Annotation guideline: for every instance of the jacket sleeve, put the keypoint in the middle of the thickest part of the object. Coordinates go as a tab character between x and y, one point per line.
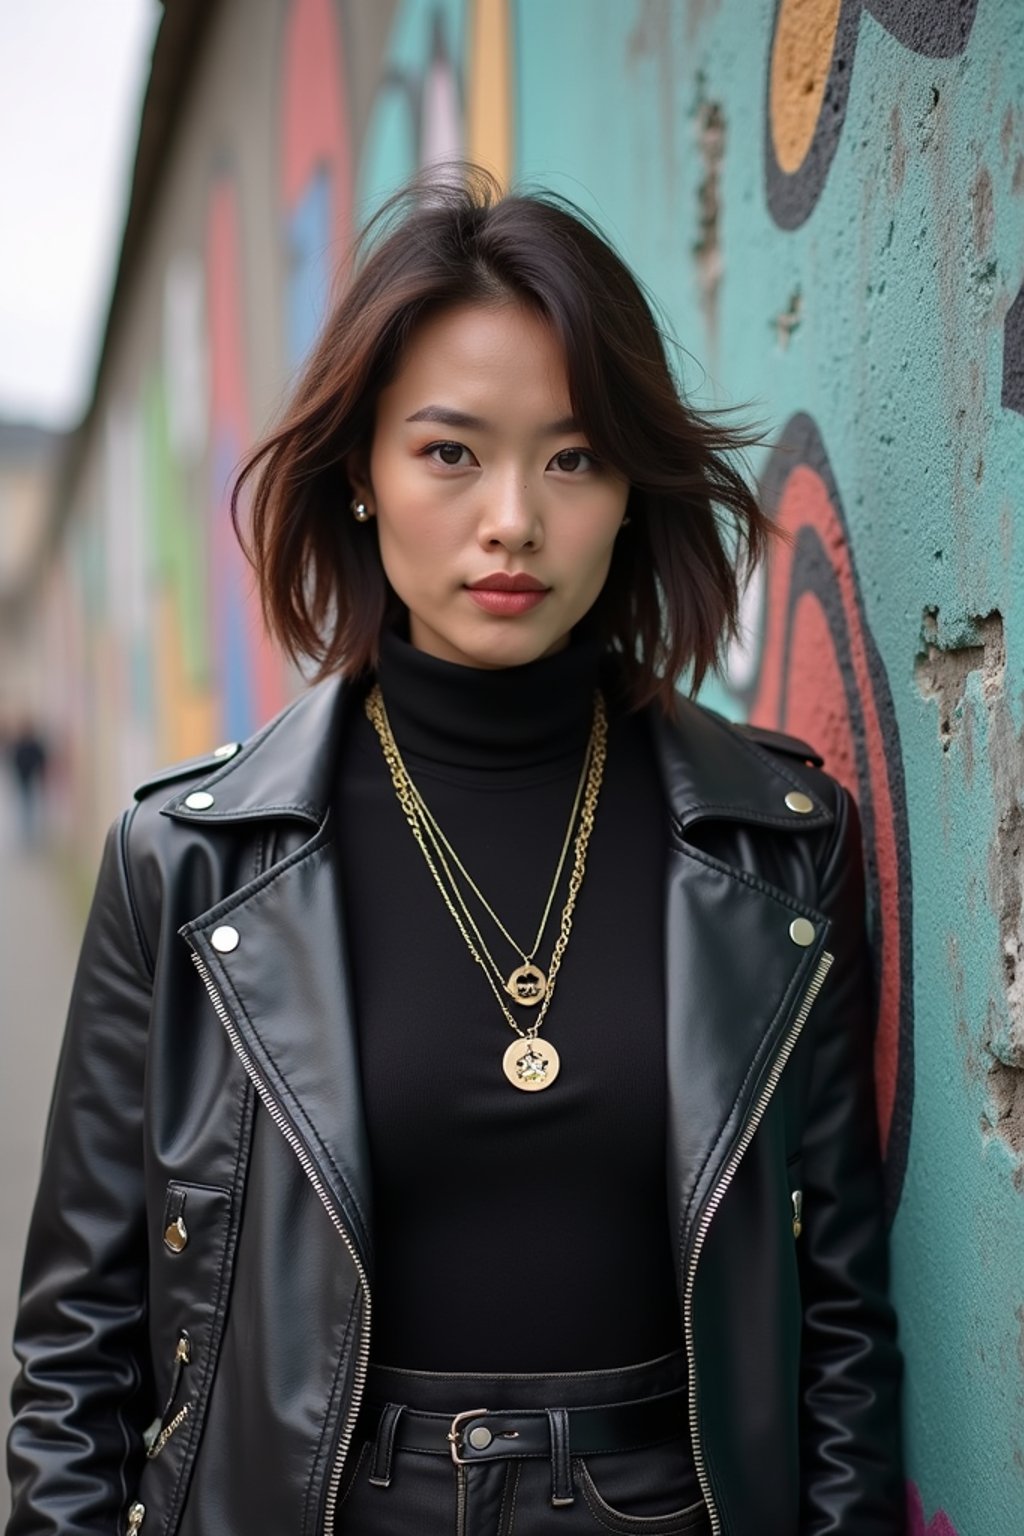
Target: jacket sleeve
75	1446
852	1480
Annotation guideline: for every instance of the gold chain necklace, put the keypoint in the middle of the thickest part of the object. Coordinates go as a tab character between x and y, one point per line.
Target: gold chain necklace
527	1063
527	984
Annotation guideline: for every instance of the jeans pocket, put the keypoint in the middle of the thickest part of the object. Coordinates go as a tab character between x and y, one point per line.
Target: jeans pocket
647	1493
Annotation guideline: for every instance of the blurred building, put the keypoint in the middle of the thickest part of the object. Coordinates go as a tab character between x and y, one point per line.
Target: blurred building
28	461
828	200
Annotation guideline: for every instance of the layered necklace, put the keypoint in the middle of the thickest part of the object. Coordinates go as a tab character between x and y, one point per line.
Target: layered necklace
529	1063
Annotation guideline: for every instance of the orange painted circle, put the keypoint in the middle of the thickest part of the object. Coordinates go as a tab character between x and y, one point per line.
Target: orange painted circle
805	36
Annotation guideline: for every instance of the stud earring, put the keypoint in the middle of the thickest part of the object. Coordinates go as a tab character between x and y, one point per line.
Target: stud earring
360	511
625	522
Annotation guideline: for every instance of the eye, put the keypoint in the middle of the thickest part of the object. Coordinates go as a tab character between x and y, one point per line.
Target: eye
447	453
568	461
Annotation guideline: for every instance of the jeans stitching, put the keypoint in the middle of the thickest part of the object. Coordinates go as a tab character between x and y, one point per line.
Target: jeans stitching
644	1525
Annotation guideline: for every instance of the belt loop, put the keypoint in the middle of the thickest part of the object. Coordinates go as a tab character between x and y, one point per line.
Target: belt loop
384	1445
561	1463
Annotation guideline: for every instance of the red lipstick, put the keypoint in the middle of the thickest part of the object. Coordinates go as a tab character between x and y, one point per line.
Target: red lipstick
507	595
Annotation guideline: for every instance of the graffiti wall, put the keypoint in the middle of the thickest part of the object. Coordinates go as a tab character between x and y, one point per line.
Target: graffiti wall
827	199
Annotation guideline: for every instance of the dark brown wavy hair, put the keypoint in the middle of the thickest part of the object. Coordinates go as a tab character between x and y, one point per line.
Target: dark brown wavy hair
695	531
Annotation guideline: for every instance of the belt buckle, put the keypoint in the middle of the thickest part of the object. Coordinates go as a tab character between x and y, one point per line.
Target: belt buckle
455	1432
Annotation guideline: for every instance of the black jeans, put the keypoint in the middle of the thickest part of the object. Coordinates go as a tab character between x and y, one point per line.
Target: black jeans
647	1490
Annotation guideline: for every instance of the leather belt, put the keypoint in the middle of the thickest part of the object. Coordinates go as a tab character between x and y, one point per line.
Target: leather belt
481	1435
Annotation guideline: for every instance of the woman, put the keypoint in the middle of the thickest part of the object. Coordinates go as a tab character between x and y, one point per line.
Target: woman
494	989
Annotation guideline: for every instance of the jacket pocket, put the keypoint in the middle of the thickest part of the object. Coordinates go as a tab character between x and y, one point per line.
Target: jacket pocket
189	1271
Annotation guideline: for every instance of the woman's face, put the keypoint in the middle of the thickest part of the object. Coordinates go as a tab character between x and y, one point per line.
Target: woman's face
477	473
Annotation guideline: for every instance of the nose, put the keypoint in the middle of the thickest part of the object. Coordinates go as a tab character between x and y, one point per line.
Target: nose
511	515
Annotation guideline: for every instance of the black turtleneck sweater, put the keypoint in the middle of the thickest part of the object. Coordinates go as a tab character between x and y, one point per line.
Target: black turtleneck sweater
512	1231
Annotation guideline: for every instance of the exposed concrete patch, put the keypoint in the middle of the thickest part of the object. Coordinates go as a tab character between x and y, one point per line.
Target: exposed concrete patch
1006	1087
941	672
707	250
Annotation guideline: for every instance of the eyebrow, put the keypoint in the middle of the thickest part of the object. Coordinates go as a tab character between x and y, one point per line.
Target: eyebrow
447	416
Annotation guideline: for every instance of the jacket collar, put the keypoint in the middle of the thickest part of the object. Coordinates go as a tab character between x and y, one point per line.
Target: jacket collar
288	769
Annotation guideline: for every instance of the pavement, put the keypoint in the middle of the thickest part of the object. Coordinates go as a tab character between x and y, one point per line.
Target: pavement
40	931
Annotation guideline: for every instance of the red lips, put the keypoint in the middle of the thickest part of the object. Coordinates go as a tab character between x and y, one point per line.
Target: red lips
505	595
501	581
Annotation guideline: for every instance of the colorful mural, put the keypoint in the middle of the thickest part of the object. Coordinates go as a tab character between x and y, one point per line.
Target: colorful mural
938	1525
827	199
813	49
250	673
316	167
821	677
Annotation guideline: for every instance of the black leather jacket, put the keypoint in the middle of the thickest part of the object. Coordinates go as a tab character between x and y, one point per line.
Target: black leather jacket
202	1245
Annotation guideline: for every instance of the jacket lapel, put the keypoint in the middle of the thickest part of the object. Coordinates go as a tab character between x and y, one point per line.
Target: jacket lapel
284	985
734	978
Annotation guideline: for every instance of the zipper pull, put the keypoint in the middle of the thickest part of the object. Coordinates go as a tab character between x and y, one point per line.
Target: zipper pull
136	1515
797	1198
182	1356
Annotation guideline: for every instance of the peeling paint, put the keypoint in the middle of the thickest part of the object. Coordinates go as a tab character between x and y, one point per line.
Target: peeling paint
1006	1087
707	248
942	674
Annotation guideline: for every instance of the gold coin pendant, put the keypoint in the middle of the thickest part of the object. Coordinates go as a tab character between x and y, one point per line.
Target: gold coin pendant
531	1064
527	984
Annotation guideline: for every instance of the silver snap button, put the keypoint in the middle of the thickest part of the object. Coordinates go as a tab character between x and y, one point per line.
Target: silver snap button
225	939
199	800
479	1437
801	932
227	750
797	801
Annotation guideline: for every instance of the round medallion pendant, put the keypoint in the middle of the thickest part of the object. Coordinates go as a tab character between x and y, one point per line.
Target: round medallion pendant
531	1064
527	985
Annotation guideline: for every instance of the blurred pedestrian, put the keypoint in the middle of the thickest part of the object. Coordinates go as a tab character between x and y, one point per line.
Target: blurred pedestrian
28	755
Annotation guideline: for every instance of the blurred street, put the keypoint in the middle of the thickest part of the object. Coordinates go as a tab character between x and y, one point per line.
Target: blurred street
39	934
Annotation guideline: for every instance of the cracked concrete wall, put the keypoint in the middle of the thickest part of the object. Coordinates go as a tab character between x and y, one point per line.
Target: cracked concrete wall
828	197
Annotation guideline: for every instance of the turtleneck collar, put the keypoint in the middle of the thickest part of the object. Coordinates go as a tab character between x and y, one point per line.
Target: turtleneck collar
490	718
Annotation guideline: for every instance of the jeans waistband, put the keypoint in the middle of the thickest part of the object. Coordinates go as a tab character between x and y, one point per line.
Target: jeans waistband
550	1416
453	1392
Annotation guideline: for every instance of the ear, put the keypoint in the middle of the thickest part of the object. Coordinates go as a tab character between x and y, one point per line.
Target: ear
357	469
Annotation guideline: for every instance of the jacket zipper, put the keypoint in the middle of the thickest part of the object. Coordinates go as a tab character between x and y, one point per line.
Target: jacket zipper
277	1115
182	1357
708	1214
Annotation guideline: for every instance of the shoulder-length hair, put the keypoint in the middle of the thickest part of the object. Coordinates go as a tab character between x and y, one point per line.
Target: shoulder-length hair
695	531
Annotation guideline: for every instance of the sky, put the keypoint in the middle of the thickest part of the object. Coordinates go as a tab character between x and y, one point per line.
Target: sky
72	78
